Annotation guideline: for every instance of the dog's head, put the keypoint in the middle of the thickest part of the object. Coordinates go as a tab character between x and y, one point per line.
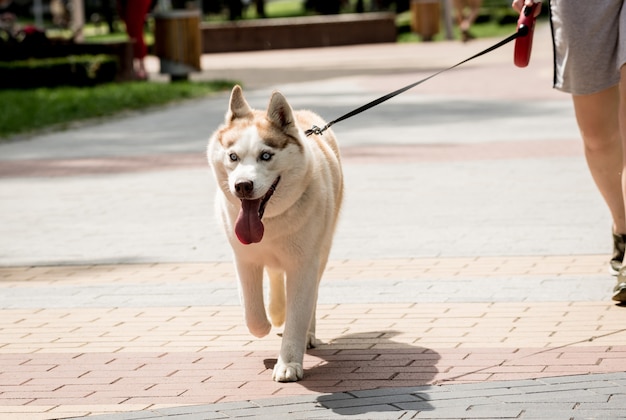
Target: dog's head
252	154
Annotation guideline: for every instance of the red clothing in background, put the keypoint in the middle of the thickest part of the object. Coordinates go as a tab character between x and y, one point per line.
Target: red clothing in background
133	13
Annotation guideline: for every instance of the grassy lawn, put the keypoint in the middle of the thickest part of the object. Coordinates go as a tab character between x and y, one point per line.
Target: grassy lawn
28	110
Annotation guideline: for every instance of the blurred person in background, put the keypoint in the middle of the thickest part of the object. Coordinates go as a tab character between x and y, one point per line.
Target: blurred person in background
466	13
133	13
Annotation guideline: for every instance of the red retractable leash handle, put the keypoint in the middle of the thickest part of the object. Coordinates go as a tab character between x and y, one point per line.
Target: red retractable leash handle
526	28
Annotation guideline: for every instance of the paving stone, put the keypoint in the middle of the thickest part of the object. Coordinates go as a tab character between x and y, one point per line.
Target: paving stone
369	401
137	415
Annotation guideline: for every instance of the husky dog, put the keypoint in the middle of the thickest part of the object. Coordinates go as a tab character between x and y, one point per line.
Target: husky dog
279	194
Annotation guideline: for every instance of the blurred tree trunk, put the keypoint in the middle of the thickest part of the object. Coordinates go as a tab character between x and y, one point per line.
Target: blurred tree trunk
235	9
260	8
325	7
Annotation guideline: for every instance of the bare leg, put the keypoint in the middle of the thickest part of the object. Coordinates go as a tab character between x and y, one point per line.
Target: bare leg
622	123
599	124
474	8
619	292
466	14
459	7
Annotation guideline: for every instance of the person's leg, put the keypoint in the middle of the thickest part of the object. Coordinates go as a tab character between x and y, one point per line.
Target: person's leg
134	18
622	114
467	12
597	117
619	292
474	9
459	14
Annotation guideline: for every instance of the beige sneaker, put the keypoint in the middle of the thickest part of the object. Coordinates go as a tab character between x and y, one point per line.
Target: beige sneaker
619	246
619	291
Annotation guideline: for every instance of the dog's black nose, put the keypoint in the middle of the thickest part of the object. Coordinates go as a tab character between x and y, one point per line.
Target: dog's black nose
244	188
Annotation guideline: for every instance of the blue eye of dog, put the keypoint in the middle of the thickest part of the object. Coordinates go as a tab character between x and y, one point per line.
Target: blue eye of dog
266	156
233	157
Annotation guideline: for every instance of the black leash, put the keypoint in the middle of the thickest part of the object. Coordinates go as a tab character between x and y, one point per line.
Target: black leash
522	31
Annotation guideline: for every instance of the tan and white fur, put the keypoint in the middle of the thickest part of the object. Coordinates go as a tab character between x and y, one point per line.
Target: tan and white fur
252	154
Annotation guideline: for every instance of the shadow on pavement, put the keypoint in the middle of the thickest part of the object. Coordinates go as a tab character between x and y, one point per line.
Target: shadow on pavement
362	373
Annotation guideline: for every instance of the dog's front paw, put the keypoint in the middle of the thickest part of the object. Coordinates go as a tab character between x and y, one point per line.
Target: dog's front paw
259	329
287	372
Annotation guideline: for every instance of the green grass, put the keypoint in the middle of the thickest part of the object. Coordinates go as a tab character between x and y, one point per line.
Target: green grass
278	9
22	111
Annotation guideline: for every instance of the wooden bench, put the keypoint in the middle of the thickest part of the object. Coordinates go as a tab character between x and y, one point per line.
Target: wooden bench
298	32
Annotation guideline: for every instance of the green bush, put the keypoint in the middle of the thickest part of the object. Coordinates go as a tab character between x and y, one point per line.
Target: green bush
73	70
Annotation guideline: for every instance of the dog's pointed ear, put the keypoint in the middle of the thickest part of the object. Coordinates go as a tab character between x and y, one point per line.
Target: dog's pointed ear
279	113
238	107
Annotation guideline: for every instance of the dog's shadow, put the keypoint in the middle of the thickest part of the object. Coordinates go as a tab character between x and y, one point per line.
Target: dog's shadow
368	372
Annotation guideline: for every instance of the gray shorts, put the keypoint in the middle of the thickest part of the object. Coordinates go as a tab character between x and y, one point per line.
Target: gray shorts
589	44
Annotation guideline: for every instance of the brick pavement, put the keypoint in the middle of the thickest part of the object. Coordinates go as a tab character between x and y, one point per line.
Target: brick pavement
92	355
490	300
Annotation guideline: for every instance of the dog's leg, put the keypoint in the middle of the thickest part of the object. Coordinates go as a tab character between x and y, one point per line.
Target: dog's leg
251	288
301	299
311	340
277	297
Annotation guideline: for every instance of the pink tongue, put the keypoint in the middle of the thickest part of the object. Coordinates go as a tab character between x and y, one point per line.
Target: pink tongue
248	227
